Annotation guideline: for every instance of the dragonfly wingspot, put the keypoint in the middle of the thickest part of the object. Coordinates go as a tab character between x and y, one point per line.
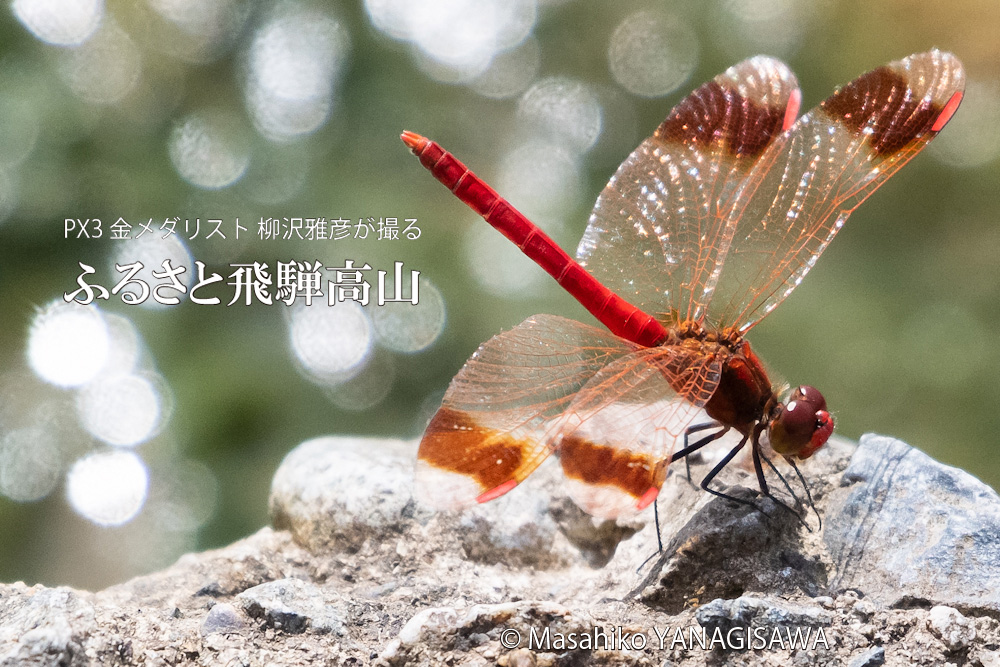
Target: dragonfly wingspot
647	498
496	492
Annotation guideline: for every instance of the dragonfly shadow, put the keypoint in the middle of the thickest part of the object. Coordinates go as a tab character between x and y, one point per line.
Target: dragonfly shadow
729	548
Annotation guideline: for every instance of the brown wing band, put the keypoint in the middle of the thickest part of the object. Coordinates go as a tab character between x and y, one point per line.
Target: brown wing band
591	463
454	442
714	112
881	100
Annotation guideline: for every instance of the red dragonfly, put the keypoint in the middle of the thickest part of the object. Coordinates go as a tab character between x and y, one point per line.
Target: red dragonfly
706	227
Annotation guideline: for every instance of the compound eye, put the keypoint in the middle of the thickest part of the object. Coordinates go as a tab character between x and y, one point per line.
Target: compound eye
802	425
799	420
810	396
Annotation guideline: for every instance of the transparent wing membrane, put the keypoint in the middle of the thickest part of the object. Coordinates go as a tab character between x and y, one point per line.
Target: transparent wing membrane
493	427
658	230
804	187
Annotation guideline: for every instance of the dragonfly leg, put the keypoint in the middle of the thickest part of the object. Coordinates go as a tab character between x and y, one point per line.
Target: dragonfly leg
777	473
718	468
765	491
683	453
691	448
656	520
805	487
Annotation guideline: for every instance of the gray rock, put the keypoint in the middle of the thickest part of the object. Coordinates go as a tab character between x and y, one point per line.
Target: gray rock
989	658
291	606
726	549
873	657
339	494
223	618
517	529
516	581
905	529
753	611
596	539
43	626
956	631
334	493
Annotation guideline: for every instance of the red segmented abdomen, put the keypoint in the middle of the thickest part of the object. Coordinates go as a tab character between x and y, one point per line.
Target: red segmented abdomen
618	315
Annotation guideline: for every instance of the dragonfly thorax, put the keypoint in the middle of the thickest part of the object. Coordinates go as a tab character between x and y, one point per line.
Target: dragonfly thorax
691	330
745	398
744	391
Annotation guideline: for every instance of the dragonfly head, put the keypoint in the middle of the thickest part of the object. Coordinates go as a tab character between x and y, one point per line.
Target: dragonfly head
800	425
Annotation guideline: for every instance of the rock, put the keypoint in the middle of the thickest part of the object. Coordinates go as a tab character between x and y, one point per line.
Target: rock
333	493
361	575
873	657
989	658
223	618
956	631
43	626
517	529
908	530
292	606
756	612
339	494
596	539
726	549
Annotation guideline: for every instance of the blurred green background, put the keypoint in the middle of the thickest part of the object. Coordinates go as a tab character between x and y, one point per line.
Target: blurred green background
221	109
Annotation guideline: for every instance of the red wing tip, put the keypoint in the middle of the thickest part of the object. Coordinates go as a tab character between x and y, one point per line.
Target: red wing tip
413	140
949	110
647	498
496	491
792	110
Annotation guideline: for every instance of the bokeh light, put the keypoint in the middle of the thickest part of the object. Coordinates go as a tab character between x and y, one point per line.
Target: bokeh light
542	180
294	68
772	27
68	343
125	347
60	22
510	73
652	54
499	267
108	488
456	40
202	29
122	410
562	110
185	496
330	343
368	387
277	172
30	464
406	327
105	69
209	150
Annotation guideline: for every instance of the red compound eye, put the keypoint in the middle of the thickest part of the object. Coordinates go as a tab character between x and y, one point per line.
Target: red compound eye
802	425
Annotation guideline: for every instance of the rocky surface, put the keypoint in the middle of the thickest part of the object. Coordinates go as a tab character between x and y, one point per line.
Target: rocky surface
904	571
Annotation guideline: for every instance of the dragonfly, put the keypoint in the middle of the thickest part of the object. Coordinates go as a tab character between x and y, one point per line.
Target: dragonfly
703	230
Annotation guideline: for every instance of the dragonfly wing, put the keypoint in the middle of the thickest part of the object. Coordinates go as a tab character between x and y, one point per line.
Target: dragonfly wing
658	229
616	438
811	178
495	423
